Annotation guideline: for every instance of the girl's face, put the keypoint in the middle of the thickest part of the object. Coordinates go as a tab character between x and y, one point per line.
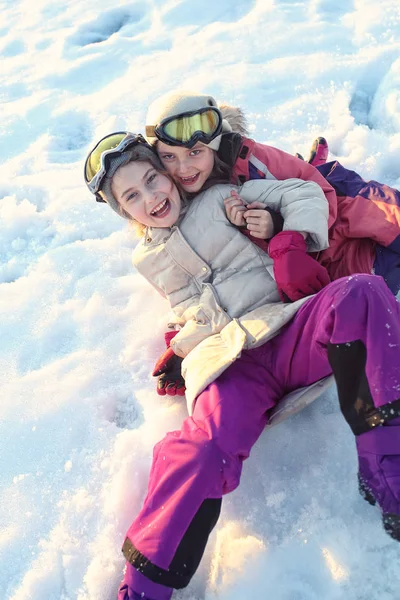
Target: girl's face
148	196
189	167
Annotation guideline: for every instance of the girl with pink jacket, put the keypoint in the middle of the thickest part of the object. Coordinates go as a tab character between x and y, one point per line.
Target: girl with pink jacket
199	142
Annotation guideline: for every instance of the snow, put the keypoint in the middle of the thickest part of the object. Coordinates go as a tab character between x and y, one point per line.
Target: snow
80	330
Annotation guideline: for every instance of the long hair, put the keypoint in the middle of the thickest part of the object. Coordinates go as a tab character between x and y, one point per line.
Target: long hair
221	173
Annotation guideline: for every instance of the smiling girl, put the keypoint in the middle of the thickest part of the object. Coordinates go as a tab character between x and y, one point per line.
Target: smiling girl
364	217
243	350
152	199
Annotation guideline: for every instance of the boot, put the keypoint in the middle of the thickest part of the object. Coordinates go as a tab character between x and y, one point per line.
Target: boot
147	590
379	472
377	431
319	152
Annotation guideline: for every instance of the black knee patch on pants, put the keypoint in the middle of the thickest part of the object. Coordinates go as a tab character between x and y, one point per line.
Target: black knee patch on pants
348	365
188	554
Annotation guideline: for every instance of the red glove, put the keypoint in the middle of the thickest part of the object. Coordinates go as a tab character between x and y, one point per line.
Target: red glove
168	371
297	274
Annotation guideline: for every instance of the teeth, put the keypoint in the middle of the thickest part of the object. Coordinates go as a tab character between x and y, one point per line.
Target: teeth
159	207
189	179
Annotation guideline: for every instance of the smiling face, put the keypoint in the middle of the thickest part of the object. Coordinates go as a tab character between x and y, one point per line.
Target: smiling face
147	195
189	167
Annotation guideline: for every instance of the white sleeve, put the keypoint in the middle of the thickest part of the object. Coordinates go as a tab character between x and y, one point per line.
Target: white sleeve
302	205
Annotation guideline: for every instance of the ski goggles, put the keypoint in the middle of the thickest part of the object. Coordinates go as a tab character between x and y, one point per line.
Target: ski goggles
98	159
188	128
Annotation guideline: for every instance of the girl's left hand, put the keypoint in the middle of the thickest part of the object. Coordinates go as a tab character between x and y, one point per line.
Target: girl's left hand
259	221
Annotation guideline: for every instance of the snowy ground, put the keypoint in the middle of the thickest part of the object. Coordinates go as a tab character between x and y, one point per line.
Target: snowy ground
80	330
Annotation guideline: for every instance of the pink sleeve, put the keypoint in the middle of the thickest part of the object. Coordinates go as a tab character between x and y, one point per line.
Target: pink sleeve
284	166
362	218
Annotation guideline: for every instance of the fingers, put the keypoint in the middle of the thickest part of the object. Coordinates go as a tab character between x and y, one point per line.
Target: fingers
237	217
161	383
166	387
259	223
175	389
256	205
170	388
258	214
235	208
234	200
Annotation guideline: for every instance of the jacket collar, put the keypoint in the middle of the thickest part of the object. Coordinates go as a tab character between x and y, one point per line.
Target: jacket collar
156	235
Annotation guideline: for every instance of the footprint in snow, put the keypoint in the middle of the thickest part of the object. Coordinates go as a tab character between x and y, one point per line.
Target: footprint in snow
106	25
13	48
69	132
126	413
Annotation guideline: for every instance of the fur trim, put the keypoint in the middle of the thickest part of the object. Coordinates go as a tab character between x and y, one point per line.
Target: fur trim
235	117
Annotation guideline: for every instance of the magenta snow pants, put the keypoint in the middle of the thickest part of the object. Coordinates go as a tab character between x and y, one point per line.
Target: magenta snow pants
194	467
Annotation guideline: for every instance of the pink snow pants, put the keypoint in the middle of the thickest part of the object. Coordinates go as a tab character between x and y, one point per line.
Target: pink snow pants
204	459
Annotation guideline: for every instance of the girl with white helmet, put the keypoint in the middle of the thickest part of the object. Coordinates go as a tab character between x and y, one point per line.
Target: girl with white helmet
199	143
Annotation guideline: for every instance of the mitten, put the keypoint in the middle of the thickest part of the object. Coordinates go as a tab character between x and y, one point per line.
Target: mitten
297	274
168	371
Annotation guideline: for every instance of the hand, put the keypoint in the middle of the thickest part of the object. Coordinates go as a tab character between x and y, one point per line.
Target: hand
168	371
259	221
235	207
297	274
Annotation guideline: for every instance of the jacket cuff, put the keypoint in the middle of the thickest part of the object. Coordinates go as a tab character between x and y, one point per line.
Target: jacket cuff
169	335
286	241
277	221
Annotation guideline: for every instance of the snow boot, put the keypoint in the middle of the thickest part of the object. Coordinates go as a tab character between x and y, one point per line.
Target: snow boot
319	152
377	432
146	590
379	472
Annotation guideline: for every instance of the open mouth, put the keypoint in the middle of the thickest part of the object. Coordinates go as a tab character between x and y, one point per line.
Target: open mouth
188	181
161	209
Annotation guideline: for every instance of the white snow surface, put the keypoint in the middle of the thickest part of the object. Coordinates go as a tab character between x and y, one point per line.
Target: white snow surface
80	330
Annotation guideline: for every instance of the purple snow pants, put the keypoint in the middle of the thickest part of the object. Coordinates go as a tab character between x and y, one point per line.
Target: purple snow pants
204	459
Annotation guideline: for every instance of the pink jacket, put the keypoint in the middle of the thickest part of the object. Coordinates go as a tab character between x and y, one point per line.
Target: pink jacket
356	224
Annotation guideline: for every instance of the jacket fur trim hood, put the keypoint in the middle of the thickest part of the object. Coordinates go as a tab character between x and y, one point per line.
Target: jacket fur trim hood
235	117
